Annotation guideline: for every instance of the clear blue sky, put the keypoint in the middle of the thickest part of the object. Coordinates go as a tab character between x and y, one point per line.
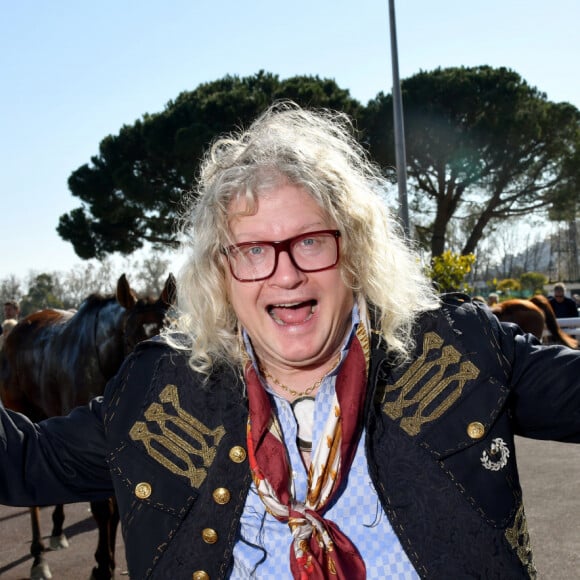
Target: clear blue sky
73	72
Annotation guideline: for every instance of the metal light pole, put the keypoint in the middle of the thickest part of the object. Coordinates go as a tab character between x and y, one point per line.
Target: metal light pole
400	157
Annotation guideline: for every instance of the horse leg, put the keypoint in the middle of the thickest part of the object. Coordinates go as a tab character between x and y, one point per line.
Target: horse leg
104	556
58	540
39	569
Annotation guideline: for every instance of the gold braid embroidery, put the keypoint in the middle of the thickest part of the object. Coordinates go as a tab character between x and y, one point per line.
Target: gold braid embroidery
519	540
411	404
168	445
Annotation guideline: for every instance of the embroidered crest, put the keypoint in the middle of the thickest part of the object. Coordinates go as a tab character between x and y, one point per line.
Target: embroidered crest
497	457
429	386
176	439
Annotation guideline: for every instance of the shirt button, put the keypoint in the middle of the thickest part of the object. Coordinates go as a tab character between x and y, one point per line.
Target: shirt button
221	495
200	575
476	430
209	536
143	490
238	454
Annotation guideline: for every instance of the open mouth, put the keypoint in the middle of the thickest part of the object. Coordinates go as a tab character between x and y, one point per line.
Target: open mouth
292	313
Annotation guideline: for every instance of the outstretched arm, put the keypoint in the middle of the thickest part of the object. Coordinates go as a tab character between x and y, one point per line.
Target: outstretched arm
59	460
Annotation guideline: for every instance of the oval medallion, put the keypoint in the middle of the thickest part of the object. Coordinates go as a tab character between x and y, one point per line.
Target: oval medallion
303	409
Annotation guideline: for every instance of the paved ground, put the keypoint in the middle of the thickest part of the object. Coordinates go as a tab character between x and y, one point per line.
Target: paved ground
74	563
550	474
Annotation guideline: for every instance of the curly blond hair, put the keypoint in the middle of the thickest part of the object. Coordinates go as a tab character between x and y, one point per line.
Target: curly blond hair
317	151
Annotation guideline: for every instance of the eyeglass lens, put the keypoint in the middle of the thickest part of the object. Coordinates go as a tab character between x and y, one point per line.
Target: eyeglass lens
309	252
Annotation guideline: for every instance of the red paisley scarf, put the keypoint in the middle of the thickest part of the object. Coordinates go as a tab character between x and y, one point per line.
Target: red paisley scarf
319	549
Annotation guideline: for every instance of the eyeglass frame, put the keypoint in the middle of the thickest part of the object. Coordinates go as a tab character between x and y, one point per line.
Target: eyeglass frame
283	246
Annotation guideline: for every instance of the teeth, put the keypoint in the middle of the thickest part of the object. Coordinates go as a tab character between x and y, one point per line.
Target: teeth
293	304
272	308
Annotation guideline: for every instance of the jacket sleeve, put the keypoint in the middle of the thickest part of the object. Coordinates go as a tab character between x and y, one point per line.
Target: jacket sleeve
544	383
546	390
59	460
543	380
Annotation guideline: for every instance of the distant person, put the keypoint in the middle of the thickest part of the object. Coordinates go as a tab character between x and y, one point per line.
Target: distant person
562	306
492	299
11	310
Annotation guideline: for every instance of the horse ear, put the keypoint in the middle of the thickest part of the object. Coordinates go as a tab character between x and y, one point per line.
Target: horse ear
169	293
125	296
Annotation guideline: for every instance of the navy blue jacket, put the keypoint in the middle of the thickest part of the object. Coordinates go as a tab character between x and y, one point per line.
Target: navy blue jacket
440	448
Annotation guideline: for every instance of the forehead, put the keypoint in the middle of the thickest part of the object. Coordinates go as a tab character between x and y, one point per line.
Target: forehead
283	210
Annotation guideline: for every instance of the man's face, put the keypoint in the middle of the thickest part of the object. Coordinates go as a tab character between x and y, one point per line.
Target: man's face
559	295
10	311
295	319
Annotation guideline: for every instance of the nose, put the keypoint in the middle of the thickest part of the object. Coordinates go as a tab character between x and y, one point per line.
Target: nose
286	273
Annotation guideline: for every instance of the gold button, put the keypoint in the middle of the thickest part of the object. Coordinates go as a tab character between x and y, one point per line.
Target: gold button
238	454
221	495
209	536
143	490
476	430
200	575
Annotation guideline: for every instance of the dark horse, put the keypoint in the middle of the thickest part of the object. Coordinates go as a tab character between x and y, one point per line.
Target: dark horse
55	360
533	316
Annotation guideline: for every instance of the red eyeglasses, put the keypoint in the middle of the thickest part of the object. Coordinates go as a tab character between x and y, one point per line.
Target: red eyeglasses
310	252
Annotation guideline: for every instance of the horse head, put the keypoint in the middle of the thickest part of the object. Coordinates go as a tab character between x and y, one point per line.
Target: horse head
144	317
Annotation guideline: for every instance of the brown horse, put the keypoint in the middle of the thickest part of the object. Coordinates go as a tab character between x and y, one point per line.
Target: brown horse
54	360
533	316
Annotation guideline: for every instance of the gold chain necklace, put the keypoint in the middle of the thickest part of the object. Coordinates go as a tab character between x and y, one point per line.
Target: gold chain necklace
292	391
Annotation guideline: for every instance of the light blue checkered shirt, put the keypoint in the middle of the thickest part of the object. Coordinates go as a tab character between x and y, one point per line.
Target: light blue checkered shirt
263	547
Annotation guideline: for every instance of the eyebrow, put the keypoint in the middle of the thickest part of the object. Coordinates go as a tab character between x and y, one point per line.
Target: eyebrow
306	229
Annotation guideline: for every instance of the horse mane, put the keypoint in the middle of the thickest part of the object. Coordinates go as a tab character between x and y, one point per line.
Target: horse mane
95	302
96	298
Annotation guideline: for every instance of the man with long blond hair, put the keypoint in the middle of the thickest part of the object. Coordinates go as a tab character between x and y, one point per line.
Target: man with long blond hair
318	411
